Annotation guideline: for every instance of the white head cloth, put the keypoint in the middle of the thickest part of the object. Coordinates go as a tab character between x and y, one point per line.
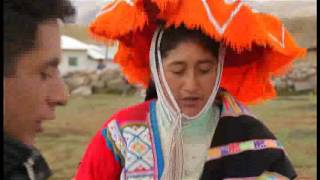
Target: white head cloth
174	157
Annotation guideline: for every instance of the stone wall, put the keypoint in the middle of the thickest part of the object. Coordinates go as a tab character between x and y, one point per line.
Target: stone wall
85	83
302	77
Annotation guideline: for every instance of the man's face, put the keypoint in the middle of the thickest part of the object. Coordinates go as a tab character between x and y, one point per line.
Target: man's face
36	87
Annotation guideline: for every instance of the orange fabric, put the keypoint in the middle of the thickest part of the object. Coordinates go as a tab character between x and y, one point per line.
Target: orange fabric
122	19
133	56
259	47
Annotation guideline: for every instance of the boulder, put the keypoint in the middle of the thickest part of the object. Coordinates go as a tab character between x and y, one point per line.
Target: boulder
99	87
119	85
303	85
109	75
89	82
75	80
94	77
82	91
313	82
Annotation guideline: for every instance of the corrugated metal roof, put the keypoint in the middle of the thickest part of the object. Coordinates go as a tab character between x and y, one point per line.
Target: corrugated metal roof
100	52
96	52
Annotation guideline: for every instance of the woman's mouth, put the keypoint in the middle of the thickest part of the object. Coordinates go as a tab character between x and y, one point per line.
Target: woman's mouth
190	102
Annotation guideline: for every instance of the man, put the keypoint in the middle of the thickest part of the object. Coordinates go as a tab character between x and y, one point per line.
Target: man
101	64
32	84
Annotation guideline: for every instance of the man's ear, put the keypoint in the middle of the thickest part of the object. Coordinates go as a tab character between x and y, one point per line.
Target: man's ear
4	87
5	90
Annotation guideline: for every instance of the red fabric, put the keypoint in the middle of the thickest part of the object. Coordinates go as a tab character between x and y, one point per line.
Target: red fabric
138	112
98	162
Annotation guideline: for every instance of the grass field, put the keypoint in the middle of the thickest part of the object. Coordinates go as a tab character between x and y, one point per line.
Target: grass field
292	119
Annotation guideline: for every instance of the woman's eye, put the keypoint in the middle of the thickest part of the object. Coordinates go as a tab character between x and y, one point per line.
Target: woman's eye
205	70
177	72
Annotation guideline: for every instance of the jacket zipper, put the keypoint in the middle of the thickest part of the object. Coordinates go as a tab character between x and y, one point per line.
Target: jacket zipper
29	166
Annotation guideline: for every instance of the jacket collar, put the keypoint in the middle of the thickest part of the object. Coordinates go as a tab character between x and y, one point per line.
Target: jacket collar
17	154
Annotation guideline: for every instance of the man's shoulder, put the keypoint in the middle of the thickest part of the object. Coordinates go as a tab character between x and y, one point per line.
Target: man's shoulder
15	154
18	156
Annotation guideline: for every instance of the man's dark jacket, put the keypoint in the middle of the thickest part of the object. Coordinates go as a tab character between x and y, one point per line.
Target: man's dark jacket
21	162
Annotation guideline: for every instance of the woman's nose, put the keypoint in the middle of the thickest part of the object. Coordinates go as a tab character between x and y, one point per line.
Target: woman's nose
190	82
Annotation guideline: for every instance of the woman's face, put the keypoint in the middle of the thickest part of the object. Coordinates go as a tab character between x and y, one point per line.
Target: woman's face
190	71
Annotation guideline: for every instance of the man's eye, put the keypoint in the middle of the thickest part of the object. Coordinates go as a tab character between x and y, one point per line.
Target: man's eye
44	75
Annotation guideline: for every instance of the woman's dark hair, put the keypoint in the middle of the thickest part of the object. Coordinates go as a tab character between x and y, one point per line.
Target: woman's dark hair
151	92
21	20
171	38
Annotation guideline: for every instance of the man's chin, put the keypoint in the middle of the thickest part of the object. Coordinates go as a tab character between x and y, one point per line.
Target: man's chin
39	129
29	141
51	116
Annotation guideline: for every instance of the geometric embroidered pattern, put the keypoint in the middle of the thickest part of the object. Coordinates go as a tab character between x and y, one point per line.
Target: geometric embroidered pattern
139	157
239	147
231	107
116	137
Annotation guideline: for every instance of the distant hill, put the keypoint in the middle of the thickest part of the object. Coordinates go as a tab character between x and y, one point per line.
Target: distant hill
77	31
86	11
285	8
80	32
304	30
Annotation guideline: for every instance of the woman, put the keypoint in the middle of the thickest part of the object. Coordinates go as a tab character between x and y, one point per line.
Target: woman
198	126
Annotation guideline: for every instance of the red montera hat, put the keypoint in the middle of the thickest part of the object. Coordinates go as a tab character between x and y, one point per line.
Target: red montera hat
258	45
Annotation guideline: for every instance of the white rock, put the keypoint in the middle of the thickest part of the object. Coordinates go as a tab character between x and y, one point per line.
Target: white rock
82	91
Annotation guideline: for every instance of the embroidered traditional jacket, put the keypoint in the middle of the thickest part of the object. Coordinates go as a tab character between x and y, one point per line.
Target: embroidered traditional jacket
128	146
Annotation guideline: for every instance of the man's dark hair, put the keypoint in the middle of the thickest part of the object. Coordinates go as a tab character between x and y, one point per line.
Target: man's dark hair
21	21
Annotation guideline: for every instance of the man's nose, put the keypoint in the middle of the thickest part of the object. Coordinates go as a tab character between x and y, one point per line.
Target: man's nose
59	93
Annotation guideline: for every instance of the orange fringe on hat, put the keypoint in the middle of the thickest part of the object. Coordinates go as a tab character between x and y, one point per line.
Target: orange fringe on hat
259	46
